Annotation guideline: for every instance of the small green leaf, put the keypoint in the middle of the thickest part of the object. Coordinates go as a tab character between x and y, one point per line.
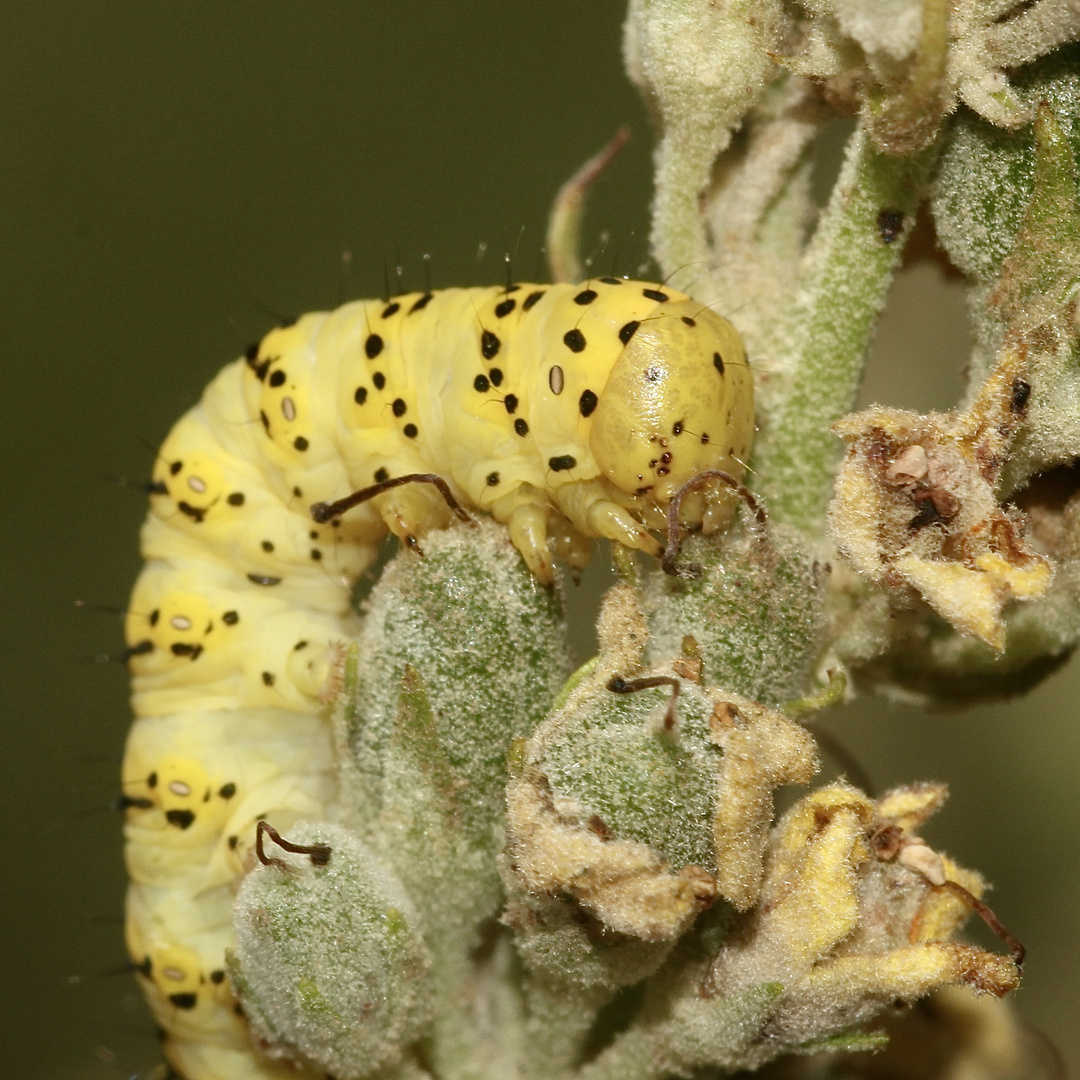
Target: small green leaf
987	175
1042	268
515	756
754	614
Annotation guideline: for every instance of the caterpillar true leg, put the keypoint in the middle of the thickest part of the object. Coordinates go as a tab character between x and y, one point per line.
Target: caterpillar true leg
528	531
592	511
572	546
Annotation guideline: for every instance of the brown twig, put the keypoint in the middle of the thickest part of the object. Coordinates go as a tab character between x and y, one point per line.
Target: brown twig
676	533
986	914
324	511
619	685
319	853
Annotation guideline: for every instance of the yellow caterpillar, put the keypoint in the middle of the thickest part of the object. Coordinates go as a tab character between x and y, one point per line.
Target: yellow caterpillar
569	412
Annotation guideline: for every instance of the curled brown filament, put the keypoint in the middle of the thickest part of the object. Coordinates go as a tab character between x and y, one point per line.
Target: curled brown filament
323	512
318	853
987	915
619	685
676	532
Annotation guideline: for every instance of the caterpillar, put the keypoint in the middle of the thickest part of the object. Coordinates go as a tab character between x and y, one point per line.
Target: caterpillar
568	412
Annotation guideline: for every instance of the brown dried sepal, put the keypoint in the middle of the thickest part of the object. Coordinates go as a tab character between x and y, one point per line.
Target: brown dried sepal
762	750
628	886
845	925
949	893
555	851
915	505
556	847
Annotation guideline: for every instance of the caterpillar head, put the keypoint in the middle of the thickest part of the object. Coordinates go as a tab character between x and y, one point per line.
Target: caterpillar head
679	401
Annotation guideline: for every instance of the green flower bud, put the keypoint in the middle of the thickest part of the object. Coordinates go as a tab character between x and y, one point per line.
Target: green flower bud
329	963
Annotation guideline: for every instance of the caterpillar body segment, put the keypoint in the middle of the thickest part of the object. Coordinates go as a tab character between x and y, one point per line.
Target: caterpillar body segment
201	780
569	412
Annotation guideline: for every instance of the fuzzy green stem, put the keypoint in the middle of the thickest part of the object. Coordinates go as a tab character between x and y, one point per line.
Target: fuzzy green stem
833	694
560	1020
678	233
695	1031
846	274
457	1048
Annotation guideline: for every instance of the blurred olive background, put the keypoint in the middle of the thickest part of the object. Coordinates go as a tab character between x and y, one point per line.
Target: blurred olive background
173	175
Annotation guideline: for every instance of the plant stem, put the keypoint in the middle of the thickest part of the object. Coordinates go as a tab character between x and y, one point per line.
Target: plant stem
822	342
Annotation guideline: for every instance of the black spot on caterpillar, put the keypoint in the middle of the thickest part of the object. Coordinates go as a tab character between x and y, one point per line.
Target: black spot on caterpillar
607	397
